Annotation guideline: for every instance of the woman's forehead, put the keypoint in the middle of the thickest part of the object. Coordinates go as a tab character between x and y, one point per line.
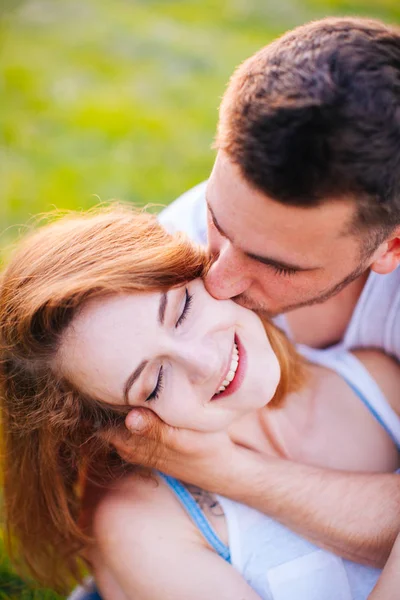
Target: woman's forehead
106	340
115	309
109	325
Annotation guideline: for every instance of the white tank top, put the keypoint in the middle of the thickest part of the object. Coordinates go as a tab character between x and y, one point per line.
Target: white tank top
277	563
375	322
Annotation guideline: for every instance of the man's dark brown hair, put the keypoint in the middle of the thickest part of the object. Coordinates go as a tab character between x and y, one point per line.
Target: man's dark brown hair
315	115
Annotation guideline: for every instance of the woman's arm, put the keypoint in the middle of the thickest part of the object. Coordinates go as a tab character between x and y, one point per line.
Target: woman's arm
147	548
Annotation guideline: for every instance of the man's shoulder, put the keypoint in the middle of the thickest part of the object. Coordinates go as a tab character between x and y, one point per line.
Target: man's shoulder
382	289
188	213
376	319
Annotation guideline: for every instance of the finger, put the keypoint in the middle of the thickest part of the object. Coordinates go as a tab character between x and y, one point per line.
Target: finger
145	423
113	435
122	440
149	426
135	449
155	435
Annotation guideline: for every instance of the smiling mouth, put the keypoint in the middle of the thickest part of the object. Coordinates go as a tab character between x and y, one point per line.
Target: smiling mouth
230	376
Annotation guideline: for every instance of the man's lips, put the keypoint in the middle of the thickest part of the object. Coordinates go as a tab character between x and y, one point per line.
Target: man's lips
235	384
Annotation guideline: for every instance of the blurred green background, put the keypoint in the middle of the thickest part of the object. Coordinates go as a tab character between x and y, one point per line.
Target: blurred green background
118	99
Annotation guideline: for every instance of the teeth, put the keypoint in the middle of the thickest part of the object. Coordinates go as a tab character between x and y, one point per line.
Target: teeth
232	369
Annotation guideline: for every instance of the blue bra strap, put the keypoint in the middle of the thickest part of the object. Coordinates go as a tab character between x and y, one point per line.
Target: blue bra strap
197	516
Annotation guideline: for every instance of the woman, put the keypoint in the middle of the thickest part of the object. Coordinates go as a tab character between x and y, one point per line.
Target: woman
103	313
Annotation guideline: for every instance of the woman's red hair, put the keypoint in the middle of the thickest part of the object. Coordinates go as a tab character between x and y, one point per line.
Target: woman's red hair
50	429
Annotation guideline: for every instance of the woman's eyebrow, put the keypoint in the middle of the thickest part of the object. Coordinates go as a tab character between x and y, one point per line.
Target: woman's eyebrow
132	378
162	307
135	374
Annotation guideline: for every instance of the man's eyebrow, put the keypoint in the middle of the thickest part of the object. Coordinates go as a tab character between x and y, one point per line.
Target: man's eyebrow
162	307
265	260
132	378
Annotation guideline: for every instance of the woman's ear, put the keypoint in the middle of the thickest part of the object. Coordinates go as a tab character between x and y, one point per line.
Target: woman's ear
387	255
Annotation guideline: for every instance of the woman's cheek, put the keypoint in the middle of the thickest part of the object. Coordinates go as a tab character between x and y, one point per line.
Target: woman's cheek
177	410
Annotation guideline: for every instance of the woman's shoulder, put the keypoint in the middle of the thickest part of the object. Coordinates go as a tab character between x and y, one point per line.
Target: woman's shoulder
144	543
128	519
148	503
145	546
136	497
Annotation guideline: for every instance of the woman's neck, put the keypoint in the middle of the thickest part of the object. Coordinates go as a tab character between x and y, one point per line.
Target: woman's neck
279	431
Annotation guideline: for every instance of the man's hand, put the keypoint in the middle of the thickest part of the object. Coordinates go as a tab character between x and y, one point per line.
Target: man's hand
207	460
355	515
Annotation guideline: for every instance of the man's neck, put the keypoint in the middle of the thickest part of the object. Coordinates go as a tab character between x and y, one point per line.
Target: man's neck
323	325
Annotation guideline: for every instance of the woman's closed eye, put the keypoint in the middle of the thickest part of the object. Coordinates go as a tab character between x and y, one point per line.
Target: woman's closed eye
160	379
186	308
158	388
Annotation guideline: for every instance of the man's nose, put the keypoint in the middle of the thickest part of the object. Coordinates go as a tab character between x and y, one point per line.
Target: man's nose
227	276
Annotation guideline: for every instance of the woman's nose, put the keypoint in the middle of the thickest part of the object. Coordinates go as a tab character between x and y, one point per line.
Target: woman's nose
228	276
200	359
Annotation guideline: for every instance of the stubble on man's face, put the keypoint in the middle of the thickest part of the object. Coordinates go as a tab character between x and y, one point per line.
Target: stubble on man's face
250	234
258	307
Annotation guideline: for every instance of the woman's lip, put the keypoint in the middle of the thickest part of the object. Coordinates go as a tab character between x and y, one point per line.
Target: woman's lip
239	375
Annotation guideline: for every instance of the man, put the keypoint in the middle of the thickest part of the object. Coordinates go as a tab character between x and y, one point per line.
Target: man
303	221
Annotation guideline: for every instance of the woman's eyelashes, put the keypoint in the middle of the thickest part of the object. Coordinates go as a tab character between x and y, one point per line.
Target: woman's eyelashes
159	386
160	380
186	308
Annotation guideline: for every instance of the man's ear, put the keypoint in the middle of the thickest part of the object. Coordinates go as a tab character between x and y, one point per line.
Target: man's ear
387	256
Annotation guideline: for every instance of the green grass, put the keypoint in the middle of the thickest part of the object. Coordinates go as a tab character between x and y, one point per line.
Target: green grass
119	99
13	587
